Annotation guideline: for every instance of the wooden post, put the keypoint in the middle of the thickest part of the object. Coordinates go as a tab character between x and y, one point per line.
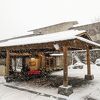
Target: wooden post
88	62
14	63
88	76
43	60
54	62
65	69
7	62
40	55
23	62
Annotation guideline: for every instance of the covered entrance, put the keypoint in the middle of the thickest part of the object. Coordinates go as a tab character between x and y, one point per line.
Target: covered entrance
44	44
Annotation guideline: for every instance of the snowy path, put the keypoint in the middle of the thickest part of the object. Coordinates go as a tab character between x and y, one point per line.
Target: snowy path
7	93
92	89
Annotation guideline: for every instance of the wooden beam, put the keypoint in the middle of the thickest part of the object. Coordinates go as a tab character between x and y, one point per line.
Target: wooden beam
65	69
20	54
7	62
32	46
88	62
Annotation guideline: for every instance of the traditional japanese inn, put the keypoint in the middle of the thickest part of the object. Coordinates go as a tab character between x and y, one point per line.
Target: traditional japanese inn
42	53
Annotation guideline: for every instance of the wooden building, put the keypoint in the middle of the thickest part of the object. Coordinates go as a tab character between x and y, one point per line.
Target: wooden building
39	48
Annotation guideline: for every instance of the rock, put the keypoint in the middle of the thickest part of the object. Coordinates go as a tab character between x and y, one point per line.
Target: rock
65	90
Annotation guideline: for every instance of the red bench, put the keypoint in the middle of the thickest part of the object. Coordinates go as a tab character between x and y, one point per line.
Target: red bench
34	72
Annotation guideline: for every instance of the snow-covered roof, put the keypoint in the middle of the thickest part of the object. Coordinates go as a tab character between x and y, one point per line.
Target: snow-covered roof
59	36
88	41
85	24
41	27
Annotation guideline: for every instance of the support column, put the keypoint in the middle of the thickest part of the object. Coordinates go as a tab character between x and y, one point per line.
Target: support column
43	60
65	89
14	63
54	63
23	62
7	62
65	69
88	76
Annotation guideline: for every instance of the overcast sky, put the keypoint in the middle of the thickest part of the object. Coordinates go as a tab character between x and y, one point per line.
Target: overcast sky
19	16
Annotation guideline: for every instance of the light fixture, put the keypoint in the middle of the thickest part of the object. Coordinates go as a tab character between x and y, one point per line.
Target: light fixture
56	54
32	59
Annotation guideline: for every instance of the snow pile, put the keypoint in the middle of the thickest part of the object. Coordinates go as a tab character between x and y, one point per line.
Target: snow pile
2	80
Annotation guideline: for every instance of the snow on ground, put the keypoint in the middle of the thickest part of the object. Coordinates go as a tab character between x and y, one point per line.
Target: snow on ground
7	93
89	90
73	72
34	87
